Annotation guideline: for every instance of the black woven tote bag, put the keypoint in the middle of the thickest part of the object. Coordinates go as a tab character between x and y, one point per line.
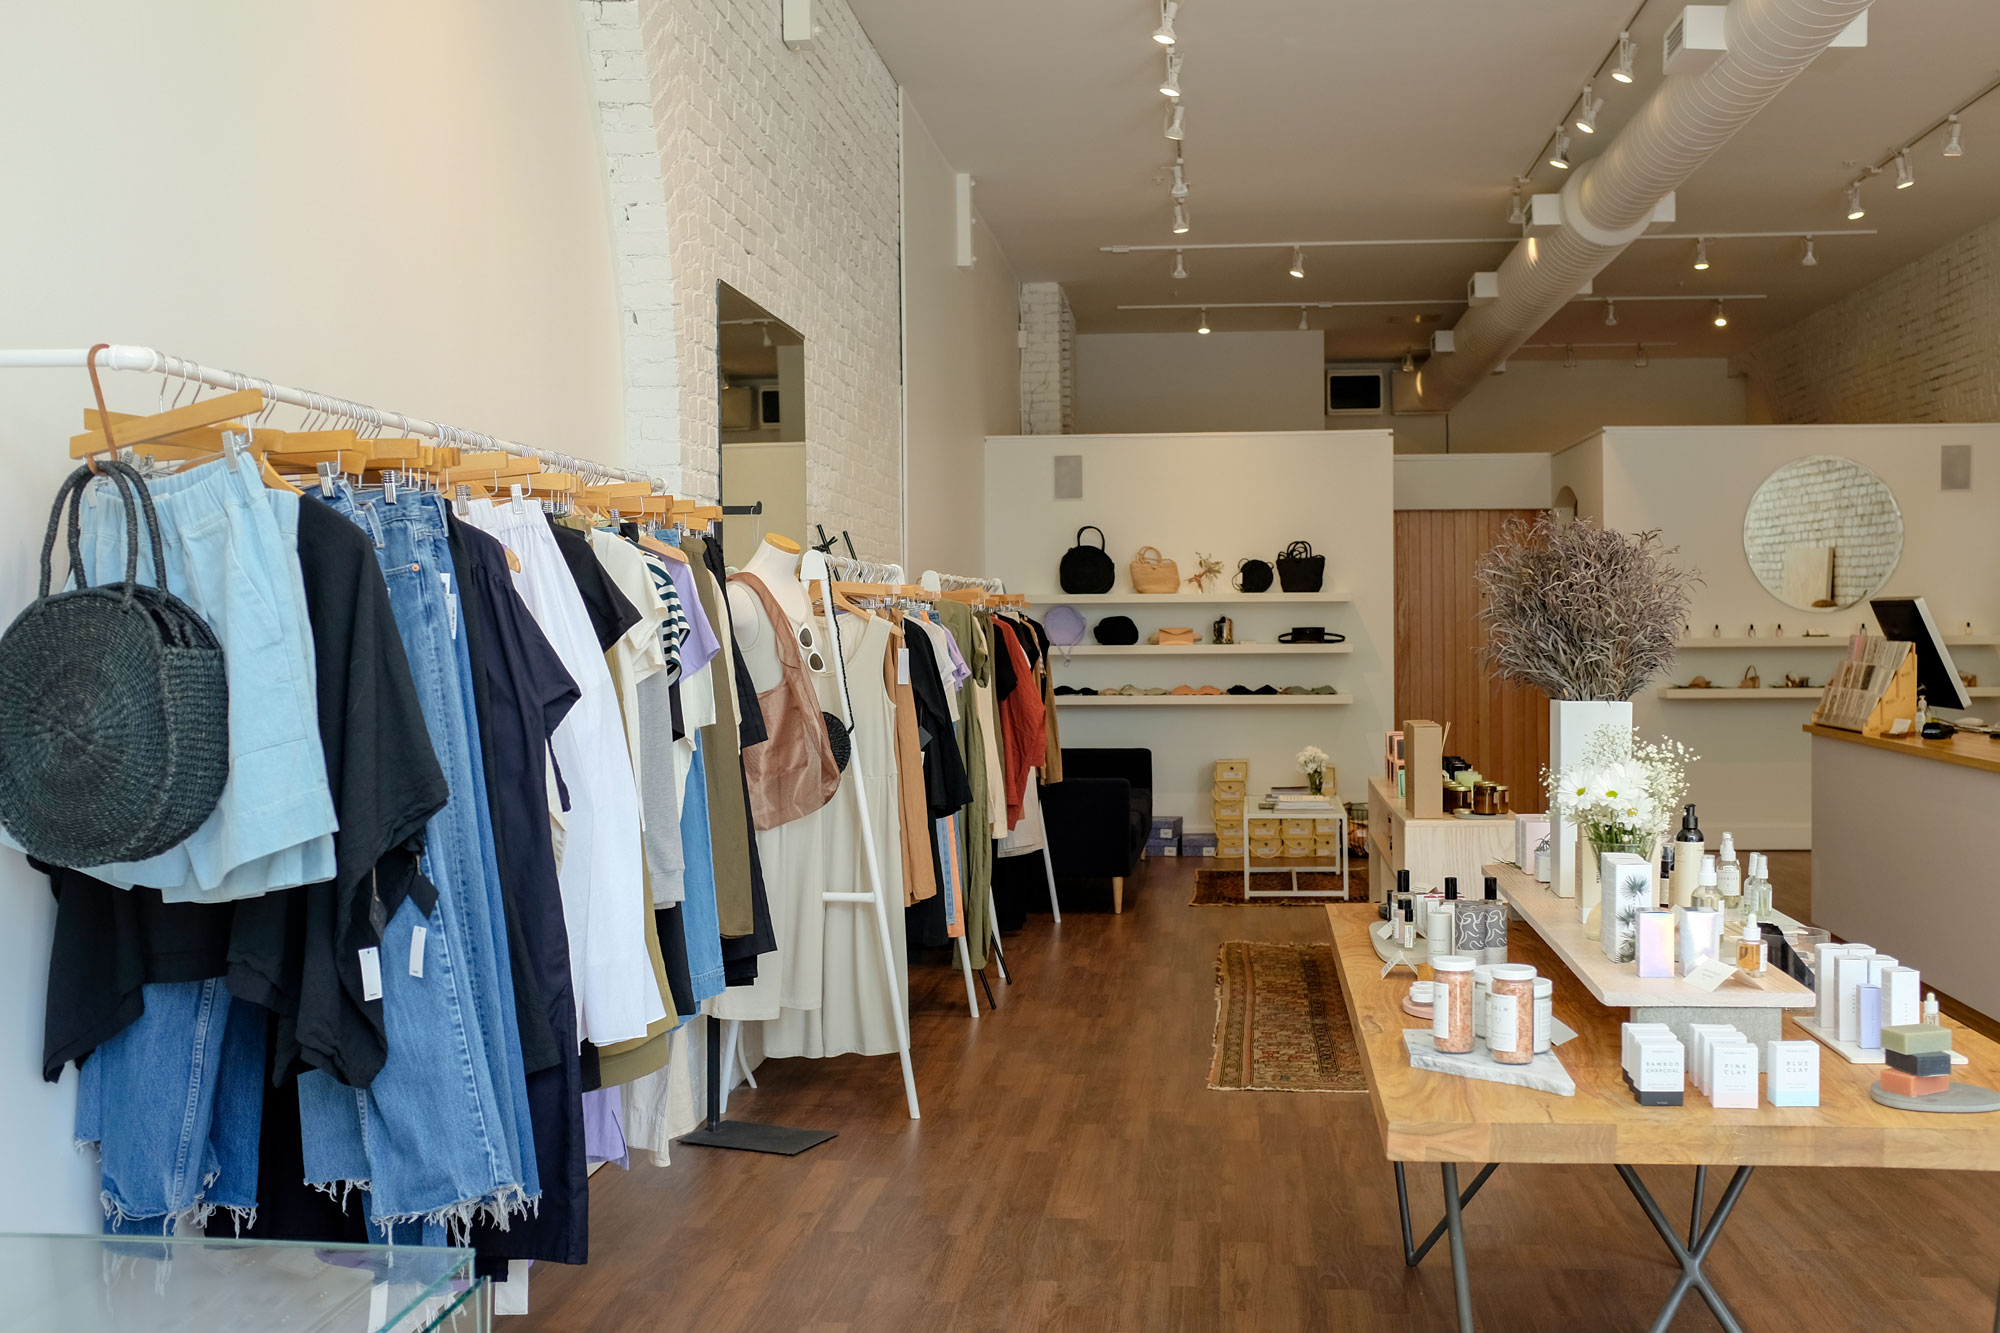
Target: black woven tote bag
1086	569
114	710
1299	570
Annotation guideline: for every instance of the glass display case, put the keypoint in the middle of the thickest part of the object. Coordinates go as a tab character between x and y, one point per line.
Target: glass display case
119	1284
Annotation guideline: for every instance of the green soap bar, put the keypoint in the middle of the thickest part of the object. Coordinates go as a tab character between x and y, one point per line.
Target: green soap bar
1916	1038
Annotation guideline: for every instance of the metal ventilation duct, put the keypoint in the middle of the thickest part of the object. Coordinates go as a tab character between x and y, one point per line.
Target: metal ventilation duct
1607	204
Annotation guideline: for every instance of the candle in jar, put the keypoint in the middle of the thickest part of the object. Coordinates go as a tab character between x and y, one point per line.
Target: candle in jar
1510	1014
1451	1003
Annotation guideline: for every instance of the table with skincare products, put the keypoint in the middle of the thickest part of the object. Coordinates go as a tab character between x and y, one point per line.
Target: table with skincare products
1573	1065
1902	853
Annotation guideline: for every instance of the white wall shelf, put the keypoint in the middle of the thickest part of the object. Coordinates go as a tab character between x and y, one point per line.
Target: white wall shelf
1775	692
1835	641
1229	598
1205	649
1201	700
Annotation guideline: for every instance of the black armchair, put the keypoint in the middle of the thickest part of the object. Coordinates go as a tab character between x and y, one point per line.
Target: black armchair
1098	816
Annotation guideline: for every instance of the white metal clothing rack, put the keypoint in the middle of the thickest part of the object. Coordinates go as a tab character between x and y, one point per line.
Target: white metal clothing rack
145	360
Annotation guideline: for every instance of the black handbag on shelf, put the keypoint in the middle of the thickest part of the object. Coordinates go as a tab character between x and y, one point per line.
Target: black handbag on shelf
1299	570
1087	569
1116	631
1253	576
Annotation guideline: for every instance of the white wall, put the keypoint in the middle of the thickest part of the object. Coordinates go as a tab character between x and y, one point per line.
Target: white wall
962	367
1230	495
397	203
1542	405
1473	481
1694	485
1141	382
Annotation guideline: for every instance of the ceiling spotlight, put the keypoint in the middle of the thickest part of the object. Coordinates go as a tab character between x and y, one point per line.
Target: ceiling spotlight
1906	174
1569	357
1171	85
1180	264
1303	326
1298	269
1518	214
1610	313
1587	109
1180	219
1809	259
1855	212
1721	317
1628	50
1409	363
1701	254
767	335
1640	359
1180	181
1952	146
1175	130
1559	155
1203	327
1164	34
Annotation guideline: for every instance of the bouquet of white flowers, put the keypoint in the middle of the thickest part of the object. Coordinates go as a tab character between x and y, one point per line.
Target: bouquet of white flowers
1312	762
1624	790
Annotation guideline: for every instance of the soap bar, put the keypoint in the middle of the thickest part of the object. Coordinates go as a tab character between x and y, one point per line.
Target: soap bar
1916	1038
1924	1065
1909	1085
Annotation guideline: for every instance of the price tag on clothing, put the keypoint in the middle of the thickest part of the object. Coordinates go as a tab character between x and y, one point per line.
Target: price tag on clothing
1710	974
417	937
371	973
902	666
450	602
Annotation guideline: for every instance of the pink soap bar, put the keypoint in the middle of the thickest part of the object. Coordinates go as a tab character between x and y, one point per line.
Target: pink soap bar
1912	1085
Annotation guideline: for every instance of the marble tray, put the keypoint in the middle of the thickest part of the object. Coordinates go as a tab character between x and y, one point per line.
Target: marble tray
1545	1073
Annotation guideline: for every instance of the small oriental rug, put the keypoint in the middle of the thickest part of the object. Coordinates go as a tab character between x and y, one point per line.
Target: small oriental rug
1281	1022
1224	888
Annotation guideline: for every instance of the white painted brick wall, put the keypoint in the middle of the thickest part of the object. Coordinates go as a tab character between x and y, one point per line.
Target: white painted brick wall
1920	344
638	205
780	175
1048	362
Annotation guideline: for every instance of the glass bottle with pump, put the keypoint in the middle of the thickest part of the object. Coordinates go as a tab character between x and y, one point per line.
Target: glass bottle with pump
1757	888
1687	859
1707	895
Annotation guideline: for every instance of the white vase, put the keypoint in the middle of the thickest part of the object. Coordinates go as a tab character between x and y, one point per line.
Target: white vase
1572	722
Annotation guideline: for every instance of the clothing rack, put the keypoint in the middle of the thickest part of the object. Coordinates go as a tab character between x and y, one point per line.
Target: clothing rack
145	360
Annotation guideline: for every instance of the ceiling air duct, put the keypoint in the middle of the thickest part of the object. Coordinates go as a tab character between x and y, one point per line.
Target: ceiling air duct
1609	203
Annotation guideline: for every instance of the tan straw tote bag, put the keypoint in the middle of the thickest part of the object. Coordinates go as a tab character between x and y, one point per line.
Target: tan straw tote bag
1153	572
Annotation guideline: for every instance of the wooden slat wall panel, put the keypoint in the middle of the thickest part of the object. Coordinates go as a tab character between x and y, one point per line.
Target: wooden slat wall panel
1502	729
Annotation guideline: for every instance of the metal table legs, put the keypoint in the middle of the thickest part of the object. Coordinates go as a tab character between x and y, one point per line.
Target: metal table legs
1701	1238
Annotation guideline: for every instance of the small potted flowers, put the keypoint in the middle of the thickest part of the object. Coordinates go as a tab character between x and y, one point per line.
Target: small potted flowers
1312	762
1620	794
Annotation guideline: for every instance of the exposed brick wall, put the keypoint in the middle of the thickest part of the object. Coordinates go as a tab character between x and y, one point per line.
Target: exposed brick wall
1048	361
1921	344
780	173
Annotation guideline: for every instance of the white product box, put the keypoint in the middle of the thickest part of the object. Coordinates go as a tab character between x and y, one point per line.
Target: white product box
1878	963
1628	1042
1529	830
1627	882
1662	1065
1902	996
1732	1075
1792	1073
1850	975
1702	1038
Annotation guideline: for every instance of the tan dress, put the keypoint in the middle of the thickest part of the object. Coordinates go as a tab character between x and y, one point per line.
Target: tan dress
919	872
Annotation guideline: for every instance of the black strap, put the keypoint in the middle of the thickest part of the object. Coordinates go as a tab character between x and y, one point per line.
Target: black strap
1090	527
1298	551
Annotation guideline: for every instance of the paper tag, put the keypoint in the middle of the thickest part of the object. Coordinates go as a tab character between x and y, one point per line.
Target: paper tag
1899	726
378	1304
417	951
371	973
902	666
1502	1021
1710	974
514	495
1440	1013
389	487
451	612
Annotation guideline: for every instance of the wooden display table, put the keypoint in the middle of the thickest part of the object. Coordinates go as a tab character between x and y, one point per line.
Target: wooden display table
1432	1117
1430	849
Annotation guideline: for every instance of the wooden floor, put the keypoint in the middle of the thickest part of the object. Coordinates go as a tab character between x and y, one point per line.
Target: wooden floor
1073	1171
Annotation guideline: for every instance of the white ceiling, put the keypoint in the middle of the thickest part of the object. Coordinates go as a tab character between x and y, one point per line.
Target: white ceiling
1309	120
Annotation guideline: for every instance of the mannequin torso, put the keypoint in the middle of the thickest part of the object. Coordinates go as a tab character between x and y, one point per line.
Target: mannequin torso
776	562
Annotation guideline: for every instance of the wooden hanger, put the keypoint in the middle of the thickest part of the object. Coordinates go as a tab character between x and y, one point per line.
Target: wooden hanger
611	492
143	430
492	468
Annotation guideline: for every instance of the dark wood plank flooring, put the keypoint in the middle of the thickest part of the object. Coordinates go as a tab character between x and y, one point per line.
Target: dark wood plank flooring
1073	1171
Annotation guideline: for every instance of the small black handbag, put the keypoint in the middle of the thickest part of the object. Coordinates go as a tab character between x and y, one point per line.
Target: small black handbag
1116	631
1253	576
1299	570
1087	569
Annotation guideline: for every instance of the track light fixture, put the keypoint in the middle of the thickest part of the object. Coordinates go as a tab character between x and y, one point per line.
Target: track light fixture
1701	254
1855	212
1953	147
1518	214
1203	326
1298	269
1171	85
1610	313
1721	318
1809	259
1569	357
1179	190
1164	34
1180	219
1303	326
1587	109
1640	359
1559	155
767	335
1175	129
1180	265
1409	362
1628	51
1906	174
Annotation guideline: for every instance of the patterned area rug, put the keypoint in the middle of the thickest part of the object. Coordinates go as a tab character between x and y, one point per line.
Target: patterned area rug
1224	888
1281	1022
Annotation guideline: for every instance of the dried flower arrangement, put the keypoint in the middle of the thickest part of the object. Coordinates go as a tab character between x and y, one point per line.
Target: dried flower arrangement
1579	611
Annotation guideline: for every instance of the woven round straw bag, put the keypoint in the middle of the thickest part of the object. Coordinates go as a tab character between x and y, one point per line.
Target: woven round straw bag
114	711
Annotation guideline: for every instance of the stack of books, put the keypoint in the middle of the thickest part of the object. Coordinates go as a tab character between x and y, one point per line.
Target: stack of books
1295	800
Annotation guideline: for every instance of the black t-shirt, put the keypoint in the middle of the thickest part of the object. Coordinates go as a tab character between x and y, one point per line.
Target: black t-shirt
946	787
611	611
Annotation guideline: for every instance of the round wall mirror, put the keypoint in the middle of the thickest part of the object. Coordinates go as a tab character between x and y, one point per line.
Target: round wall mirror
1823	533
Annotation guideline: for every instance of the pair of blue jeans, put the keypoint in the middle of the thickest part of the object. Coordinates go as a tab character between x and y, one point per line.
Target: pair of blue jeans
442	1135
174	1104
700	922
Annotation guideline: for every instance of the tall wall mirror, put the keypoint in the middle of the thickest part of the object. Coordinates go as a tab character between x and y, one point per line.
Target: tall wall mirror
1823	533
762	379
